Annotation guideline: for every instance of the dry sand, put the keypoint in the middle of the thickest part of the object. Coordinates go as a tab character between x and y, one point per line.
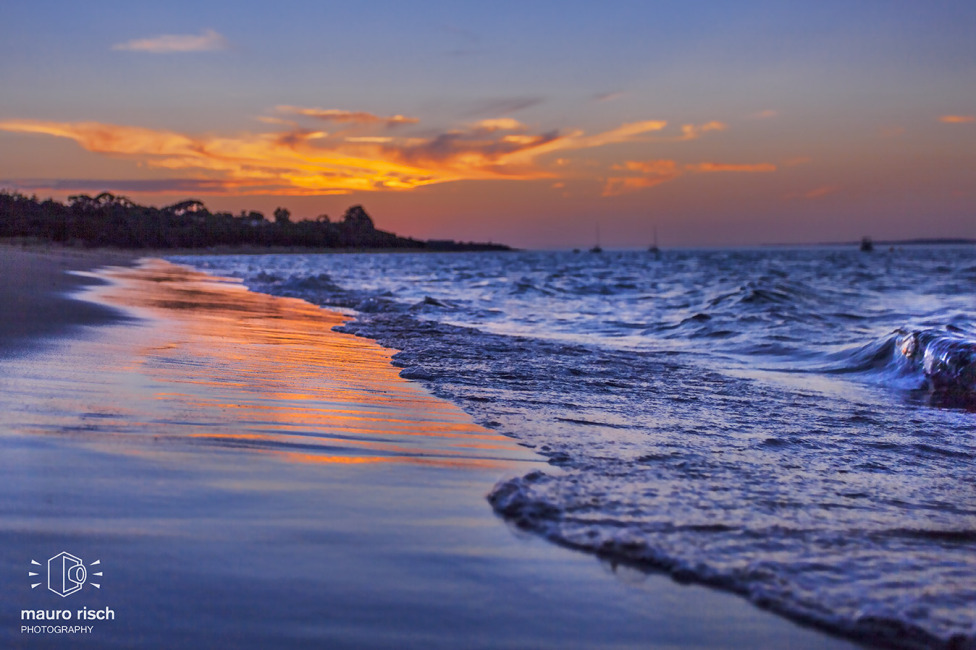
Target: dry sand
248	478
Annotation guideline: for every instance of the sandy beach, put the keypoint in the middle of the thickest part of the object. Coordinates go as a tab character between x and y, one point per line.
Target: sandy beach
235	474
33	282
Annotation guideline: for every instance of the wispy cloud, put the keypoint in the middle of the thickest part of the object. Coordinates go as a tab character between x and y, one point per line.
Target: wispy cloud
708	167
629	132
500	124
607	97
465	41
207	41
650	173
151	186
958	119
765	114
501	106
370	138
695	131
354	117
890	131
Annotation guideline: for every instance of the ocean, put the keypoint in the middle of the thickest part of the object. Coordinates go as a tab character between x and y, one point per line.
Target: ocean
795	425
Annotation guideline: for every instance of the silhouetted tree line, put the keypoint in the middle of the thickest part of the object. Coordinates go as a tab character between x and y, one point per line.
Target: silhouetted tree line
115	221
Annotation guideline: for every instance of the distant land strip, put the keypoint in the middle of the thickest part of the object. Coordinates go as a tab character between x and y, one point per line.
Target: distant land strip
918	241
113	221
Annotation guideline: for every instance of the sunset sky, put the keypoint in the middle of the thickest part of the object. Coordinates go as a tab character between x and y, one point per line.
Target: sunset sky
718	123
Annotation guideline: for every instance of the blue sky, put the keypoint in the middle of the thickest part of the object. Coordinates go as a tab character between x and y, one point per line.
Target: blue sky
762	121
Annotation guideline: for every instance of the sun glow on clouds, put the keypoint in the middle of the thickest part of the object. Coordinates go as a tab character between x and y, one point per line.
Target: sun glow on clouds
817	192
333	115
958	119
500	124
693	131
727	167
362	154
655	172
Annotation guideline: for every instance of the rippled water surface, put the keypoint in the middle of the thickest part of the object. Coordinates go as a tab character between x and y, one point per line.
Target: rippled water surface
793	425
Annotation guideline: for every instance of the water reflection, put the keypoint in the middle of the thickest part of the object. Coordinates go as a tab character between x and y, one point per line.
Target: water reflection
215	364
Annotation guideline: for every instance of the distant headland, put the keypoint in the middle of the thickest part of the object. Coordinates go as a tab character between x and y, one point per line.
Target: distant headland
113	221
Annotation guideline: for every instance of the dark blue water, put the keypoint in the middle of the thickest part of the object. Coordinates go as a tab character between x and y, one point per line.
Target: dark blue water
797	426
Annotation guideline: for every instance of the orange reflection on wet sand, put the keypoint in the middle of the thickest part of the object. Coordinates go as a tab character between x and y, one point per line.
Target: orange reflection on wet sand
269	374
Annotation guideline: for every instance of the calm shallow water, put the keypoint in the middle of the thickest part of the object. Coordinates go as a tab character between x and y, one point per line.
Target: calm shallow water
793	425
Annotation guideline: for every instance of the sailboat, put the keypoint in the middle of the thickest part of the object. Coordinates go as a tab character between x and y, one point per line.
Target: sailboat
654	249
596	248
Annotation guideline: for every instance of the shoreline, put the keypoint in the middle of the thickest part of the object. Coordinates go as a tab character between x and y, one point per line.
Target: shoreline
237	536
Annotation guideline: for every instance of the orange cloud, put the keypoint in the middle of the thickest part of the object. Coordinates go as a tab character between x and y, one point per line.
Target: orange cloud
578	140
652	167
380	139
695	131
623	133
653	172
301	161
356	117
108	138
617	185
726	167
287	163
958	119
500	124
363	154
656	172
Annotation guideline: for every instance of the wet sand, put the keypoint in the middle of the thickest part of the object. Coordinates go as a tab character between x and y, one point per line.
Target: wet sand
246	477
33	284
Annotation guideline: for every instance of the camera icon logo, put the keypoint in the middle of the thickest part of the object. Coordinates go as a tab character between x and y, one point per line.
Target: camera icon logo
66	574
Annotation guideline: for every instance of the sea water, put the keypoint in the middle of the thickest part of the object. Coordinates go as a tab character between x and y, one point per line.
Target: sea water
794	425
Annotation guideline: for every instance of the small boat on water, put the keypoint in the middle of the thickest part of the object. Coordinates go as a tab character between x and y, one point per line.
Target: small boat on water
866	245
